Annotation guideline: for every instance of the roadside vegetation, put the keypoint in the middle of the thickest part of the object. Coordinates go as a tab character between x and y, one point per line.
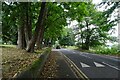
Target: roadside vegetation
32	26
107	51
104	50
15	60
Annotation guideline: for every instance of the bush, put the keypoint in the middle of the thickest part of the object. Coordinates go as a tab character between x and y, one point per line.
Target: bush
105	50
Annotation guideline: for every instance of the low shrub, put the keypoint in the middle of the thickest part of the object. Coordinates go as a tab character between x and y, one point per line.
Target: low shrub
105	50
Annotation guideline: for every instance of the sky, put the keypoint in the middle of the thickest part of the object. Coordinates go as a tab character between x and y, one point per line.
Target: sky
96	1
115	33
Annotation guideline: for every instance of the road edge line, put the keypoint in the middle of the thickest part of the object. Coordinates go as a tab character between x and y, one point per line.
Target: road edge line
78	72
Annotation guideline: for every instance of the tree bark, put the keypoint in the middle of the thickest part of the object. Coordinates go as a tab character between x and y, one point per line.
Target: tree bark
40	39
21	35
28	23
86	45
31	44
21	38
41	32
46	42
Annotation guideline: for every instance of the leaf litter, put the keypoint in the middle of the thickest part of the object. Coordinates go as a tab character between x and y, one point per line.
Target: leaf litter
15	60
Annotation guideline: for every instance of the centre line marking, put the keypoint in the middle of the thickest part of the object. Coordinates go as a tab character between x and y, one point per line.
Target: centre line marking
111	66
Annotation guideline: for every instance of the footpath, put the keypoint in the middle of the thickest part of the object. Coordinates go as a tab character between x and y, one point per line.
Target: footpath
57	67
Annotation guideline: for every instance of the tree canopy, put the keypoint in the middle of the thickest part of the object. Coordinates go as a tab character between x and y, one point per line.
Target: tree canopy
31	24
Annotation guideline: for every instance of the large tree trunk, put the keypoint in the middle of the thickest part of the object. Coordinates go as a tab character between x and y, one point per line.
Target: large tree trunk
40	39
28	23
21	35
21	38
82	38
46	42
41	32
119	31
86	45
31	44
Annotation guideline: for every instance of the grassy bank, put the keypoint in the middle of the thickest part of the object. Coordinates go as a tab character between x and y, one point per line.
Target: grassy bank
105	50
99	50
3	46
15	60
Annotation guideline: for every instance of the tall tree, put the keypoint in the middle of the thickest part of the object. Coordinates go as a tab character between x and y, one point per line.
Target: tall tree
28	22
41	32
31	44
94	28
55	23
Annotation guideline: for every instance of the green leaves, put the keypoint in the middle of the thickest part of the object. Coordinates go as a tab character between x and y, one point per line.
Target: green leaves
67	40
55	22
9	28
93	26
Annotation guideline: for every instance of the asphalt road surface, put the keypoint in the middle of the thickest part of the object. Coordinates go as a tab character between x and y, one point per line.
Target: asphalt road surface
0	71
94	65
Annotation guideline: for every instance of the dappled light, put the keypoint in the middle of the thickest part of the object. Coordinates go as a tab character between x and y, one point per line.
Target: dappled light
60	40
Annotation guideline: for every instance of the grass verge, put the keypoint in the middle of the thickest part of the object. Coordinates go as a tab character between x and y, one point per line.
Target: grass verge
15	60
99	50
36	68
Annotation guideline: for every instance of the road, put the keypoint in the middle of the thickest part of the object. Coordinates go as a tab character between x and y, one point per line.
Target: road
0	74
0	63
93	65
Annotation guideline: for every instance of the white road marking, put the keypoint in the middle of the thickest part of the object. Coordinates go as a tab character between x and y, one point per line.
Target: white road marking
86	53
84	65
0	74
73	52
80	53
111	66
78	71
98	64
85	56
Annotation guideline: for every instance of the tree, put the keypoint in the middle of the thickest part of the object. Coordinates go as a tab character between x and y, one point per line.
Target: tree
26	24
94	27
55	23
37	22
31	44
9	29
41	32
68	39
